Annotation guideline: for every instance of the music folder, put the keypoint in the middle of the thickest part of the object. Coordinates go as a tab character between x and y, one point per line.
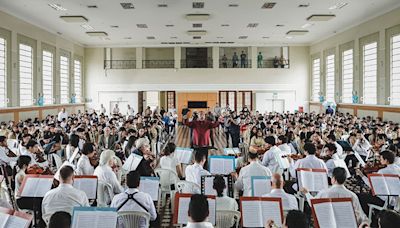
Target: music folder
150	185
207	182
94	217
256	211
282	159
86	183
35	185
384	184
182	206
132	162
220	164
333	213
260	185
10	218
314	180
184	155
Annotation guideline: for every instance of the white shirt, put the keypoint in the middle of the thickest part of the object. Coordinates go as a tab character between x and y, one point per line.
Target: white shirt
199	225
103	110
340	191
362	148
62	115
83	166
390	169
169	162
226	203
194	172
104	173
285	148
131	205
63	198
311	162
244	180
130	112
4	159
269	159
115	110
339	150
289	202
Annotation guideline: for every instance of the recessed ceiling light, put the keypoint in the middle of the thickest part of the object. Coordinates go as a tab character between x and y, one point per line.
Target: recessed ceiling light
57	7
197	17
304	5
74	19
242	37
92	6
114	26
97	33
162	5
173	37
197	37
220	37
225	25
265	37
297	32
127	38
127	5
87	27
169	25
268	5
338	5
197	32
233	5
252	25
150	37
141	25
198	5
289	37
197	25
279	25
321	17
307	25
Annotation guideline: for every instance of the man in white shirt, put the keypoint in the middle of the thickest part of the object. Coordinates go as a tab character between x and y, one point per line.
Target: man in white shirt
62	115
310	161
194	172
84	167
4	158
361	146
269	159
255	168
130	111
339	148
115	110
289	201
133	199
65	197
283	144
198	212
338	190
102	109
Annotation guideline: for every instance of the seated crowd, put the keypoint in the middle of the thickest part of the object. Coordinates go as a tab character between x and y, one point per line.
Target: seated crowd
97	144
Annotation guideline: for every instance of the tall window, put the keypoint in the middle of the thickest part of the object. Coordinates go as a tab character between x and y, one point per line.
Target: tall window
47	69
316	64
64	80
77	80
330	77
370	71
3	73
395	70
170	100
25	75
347	76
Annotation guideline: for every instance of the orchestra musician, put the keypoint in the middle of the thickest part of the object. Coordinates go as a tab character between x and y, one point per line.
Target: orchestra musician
6	155
105	173
148	163
84	165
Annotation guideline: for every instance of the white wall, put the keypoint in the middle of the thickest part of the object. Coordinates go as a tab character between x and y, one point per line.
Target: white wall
263	100
293	79
123	98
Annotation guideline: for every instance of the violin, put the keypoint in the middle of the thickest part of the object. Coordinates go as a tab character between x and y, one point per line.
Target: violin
36	169
372	167
296	156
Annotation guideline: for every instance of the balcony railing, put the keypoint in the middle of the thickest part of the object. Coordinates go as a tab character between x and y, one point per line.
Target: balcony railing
119	64
158	64
235	64
194	63
273	64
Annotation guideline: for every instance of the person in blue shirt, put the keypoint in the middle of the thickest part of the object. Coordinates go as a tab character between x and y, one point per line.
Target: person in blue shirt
329	110
40	100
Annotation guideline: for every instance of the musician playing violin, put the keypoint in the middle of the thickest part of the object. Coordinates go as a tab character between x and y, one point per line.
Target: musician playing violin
147	164
88	160
6	155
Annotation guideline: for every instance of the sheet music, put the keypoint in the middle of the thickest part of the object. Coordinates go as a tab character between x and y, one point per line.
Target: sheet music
344	215
15	221
183	155
360	160
208	186
231	151
88	185
393	184
325	215
183	210
252	215
132	162
260	186
282	160
36	187
271	210
222	164
72	158
313	181
94	217
151	186
379	185
211	210
342	163
3	219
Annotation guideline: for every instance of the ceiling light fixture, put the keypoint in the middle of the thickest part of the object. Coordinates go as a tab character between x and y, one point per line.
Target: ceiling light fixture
307	25
279	25
242	37
114	26
225	25
127	5
197	17
338	5
197	25
304	5
57	7
162	5
268	5
141	25
74	19
197	37
97	33
197	32
87	27
198	5
150	38
233	5
297	32
127	38
173	37
265	37
92	6
252	25
169	25
321	17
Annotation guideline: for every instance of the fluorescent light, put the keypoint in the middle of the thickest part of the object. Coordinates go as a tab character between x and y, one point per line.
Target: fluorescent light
197	17
197	32
97	33
74	19
307	25
321	17
87	27
57	7
338	5
297	32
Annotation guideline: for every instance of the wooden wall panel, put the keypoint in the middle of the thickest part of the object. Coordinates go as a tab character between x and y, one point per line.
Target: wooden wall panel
182	99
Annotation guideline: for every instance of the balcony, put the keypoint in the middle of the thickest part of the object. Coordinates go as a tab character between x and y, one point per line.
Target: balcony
197	63
158	64
270	64
119	64
230	64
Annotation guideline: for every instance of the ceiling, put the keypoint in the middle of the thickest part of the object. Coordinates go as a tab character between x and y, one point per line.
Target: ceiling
235	20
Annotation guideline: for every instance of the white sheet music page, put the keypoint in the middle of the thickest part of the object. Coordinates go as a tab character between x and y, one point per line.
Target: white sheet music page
342	163
183	155
271	210
208	186
88	185
107	219
221	166
36	187
261	186
393	184
84	219
320	180
3	219
344	215
252	215
211	210
15	221
325	215
282	160
183	210
379	185
151	187
132	162
44	185
306	180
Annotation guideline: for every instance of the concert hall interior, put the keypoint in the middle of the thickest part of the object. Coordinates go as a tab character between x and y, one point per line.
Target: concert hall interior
200	113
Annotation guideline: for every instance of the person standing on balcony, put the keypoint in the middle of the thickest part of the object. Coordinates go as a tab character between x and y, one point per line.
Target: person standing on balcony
259	60
276	62
224	61
282	62
243	60
235	60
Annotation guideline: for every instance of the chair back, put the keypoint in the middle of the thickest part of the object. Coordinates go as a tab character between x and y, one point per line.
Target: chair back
188	187
227	219
104	194
167	178
127	219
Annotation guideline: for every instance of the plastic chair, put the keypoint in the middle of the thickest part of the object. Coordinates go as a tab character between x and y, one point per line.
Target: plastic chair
167	178
104	194
227	219
373	207
127	219
188	187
